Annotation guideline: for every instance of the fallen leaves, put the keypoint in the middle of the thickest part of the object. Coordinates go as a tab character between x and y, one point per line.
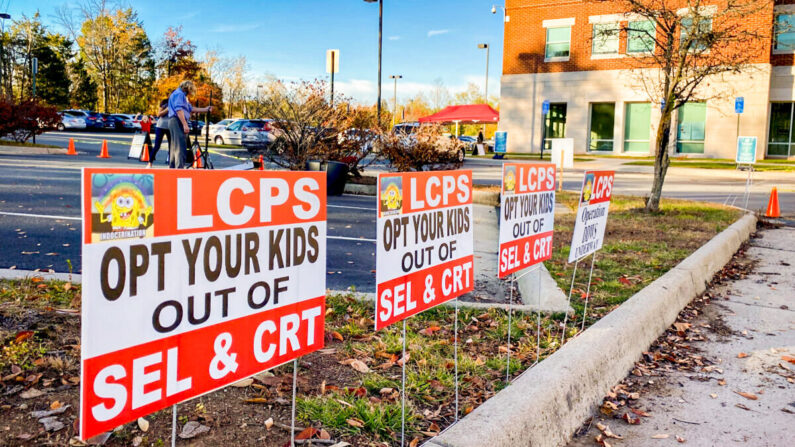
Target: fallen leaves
192	429
268	423
607	432
742	406
31	393
661	436
428	331
354	422
631	420
787	358
742	355
749	396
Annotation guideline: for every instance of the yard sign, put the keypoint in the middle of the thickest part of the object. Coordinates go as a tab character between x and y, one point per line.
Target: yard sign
193	280
527	215
137	146
589	228
425	252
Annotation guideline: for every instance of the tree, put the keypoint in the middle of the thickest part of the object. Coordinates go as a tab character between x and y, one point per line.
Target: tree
84	90
439	95
52	80
176	55
680	47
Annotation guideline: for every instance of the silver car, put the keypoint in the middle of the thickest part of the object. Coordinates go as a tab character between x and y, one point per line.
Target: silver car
217	129
72	120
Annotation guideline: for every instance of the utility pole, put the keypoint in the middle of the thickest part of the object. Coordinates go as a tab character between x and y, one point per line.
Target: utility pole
394	98
380	46
485	87
3	17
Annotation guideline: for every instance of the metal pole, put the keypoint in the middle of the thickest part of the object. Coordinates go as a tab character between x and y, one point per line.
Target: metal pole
748	185
588	292
403	391
380	35
394	100
292	418
510	313
568	302
455	358
174	425
332	79
486	89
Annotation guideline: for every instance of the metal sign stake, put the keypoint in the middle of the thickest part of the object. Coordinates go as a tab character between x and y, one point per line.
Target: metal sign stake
568	303
403	390
455	358
174	425
292	418
510	312
587	292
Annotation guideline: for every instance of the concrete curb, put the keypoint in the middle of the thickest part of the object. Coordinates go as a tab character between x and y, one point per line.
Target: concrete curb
31	150
548	403
48	276
363	190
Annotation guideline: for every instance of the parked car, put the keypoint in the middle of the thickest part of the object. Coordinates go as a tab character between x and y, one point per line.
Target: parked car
109	122
93	119
196	127
406	128
220	126
233	133
123	123
136	119
257	134
71	120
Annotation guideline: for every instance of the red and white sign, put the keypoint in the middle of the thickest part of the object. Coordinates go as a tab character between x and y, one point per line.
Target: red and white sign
193	280
589	228
527	215
425	242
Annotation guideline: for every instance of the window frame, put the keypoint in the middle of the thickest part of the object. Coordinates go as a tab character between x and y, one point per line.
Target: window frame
616	29
776	32
547	42
626	140
691	141
683	29
788	144
641	35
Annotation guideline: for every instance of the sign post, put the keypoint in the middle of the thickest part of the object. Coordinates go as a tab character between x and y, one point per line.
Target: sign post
425	246
746	155
589	227
194	280
527	215
562	156
332	66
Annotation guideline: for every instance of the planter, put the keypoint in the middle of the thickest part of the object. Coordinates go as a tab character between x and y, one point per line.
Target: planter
336	175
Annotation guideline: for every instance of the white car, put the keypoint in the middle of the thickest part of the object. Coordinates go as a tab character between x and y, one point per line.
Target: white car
217	128
71	120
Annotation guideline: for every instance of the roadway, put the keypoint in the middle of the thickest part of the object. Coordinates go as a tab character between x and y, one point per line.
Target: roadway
40	203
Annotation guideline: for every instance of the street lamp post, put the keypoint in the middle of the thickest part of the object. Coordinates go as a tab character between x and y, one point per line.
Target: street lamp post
394	97
3	17
380	34
486	88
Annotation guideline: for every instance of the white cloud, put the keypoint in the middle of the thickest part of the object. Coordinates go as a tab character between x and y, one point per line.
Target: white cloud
234	28
393	37
437	32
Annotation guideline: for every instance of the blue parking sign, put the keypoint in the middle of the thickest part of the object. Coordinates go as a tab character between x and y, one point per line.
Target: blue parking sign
545	107
739	104
500	142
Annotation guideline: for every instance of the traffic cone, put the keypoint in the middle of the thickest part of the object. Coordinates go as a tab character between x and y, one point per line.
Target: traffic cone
772	204
145	154
197	164
261	164
71	149
104	152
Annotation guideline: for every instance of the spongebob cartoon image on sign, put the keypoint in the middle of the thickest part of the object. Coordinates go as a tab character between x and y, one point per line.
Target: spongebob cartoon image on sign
587	189
123	206
509	180
391	196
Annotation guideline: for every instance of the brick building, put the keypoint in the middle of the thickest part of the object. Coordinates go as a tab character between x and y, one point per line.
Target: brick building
577	55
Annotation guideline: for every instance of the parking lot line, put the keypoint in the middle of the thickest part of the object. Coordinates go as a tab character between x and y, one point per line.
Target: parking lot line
41	216
357	239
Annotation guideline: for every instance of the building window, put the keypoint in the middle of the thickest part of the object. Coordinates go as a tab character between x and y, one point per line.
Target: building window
640	37
558	42
603	117
785	32
637	127
690	131
555	123
700	41
780	142
605	38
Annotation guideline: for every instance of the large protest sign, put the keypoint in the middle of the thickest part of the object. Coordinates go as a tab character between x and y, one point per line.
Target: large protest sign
527	215
425	242
589	228
193	280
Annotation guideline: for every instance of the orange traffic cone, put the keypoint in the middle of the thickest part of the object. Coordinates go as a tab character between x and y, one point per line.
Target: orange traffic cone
261	164
71	149
198	162
145	154
104	152
772	204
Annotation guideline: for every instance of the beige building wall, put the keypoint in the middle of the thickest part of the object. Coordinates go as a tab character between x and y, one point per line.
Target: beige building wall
522	97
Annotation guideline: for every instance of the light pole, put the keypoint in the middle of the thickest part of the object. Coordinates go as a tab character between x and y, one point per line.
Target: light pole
380	34
3	17
259	86
394	98
486	88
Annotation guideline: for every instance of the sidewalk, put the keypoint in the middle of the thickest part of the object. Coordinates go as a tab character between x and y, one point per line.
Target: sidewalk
740	338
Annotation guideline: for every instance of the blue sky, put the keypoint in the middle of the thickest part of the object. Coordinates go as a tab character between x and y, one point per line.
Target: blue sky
423	40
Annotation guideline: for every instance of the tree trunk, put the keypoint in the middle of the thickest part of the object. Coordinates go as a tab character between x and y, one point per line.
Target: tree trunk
661	160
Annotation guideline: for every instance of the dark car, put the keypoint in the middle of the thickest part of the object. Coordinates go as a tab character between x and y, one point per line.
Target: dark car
110	121
94	120
123	123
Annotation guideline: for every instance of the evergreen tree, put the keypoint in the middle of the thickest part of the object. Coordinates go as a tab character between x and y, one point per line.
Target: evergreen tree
84	89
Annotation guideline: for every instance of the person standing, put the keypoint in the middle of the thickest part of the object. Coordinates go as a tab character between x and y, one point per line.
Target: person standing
179	111
146	127
161	130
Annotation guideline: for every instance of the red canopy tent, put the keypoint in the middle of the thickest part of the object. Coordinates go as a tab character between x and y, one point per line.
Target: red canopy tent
469	113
